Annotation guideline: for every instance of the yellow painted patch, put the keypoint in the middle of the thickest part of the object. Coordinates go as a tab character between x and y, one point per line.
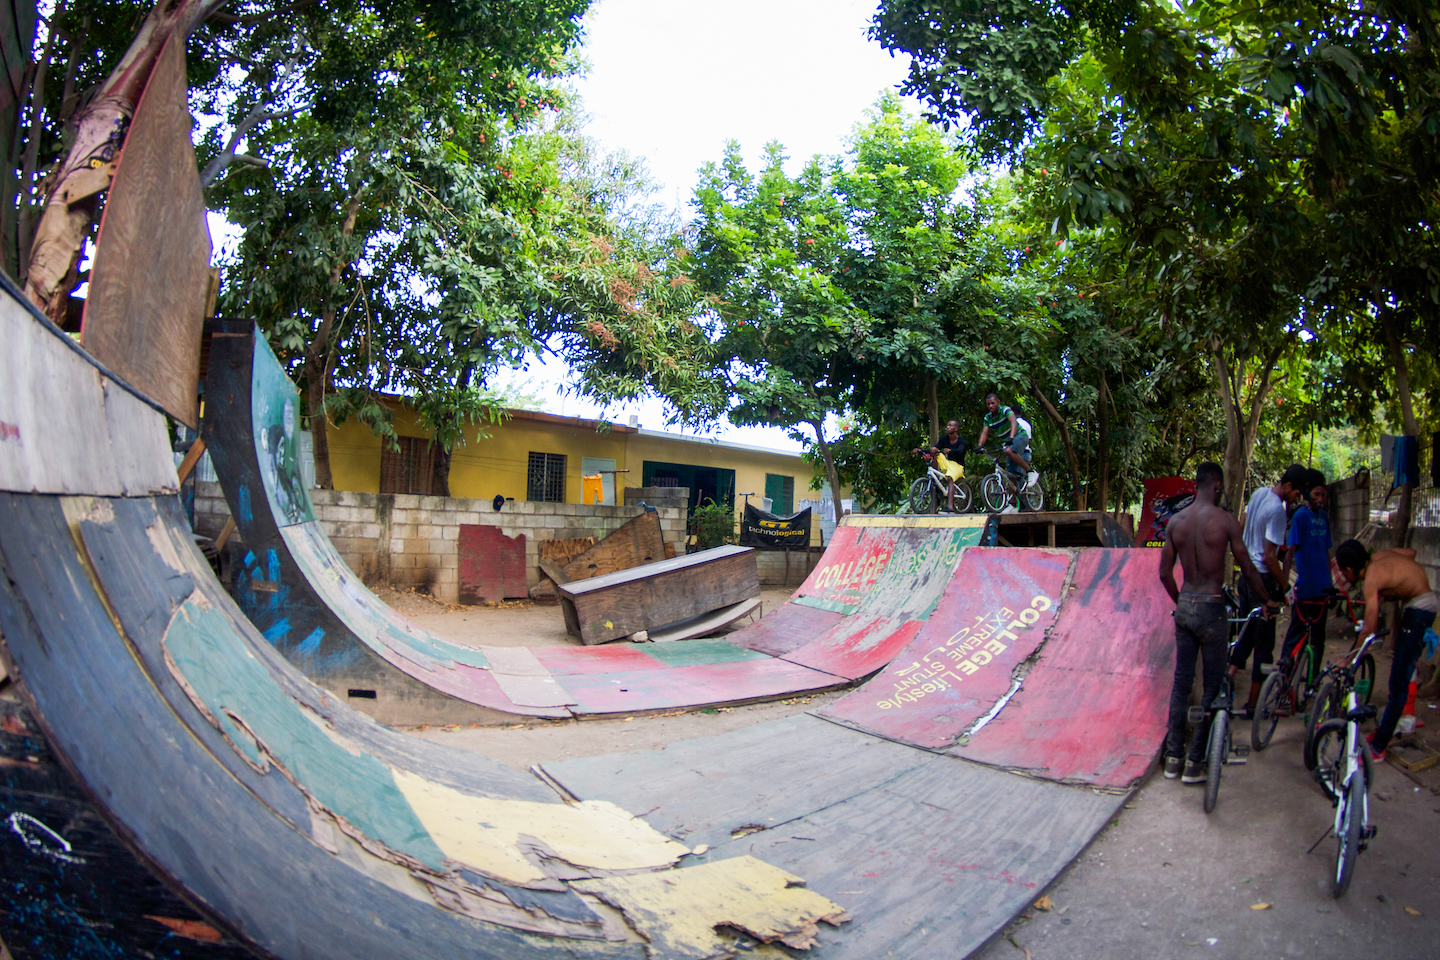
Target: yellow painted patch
949	523
485	833
678	910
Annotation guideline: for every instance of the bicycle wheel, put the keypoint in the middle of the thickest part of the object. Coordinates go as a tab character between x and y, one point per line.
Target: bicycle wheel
922	496
1365	678
1268	709
1325	706
964	497
1219	749
1034	497
1329	755
992	493
1349	817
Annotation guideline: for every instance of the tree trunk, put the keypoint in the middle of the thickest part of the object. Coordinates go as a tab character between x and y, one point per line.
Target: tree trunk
831	473
90	164
317	384
440	483
932	396
1071	457
317	363
1400	523
1240	439
1102	446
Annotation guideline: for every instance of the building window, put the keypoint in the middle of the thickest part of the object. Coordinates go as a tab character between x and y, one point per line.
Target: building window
545	479
781	492
409	469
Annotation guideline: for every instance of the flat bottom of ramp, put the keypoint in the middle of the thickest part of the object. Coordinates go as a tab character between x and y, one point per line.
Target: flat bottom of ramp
931	855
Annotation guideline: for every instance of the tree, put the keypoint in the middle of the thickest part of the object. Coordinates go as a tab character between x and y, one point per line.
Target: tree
767	250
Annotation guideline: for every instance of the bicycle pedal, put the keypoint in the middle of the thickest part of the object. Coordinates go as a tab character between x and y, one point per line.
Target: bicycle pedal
1239	755
1196	714
1368	833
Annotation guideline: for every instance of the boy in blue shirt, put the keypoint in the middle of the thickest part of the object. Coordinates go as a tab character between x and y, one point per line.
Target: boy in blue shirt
1310	542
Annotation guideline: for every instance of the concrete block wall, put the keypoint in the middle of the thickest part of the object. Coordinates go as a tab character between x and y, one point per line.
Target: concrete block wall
409	541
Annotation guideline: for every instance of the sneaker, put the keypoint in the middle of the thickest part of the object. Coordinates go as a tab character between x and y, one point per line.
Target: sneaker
1011	508
1194	772
1172	767
1379	755
1032	478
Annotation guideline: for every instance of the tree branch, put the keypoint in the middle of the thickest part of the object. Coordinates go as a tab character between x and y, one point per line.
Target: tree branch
231	18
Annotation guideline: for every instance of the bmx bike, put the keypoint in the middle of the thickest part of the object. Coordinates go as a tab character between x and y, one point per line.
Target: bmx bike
927	492
1007	487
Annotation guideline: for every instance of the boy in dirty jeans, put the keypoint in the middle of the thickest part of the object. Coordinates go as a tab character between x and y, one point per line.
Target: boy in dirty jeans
1201	628
1198	537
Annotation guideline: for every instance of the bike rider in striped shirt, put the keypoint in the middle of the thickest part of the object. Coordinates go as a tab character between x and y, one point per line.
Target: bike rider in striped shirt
1007	424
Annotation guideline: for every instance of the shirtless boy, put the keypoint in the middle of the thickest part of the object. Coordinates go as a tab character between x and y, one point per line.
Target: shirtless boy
1392	575
1198	536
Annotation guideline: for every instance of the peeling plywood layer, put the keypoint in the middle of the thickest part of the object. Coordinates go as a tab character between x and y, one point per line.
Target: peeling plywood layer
495	836
66	428
678	912
147	290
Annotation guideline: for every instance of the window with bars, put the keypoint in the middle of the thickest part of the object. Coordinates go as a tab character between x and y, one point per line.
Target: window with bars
781	491
410	469
545	478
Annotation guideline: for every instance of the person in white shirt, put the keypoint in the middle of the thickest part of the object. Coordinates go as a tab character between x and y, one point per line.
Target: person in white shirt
1267	524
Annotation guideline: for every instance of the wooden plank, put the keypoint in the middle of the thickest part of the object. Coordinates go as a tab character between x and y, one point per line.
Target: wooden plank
737	681
553	571
993	616
491	565
1094	708
788	627
146	303
192	457
639	541
705	623
702	791
689	653
562	551
679	913
619	604
934	862
66	428
857	647
611	658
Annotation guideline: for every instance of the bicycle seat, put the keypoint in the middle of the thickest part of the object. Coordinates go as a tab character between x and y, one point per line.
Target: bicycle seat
1361	713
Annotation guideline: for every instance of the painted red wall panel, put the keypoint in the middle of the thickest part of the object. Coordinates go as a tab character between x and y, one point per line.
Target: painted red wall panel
492	565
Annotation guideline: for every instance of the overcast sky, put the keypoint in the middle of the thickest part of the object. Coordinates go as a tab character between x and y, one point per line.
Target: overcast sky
672	80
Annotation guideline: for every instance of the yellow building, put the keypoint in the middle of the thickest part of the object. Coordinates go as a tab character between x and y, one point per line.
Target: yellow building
542	457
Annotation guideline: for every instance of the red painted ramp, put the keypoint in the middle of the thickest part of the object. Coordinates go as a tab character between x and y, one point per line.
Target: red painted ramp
785	628
992	616
1094	707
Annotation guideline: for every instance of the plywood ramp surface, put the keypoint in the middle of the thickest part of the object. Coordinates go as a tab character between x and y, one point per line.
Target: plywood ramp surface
1094	708
930	855
934	862
994	613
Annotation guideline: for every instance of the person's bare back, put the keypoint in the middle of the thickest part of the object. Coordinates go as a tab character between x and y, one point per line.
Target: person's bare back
1198	536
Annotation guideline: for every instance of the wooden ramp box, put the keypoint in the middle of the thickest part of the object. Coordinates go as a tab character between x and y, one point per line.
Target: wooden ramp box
618	604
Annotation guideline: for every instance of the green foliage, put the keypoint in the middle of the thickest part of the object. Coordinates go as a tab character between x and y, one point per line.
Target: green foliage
714	524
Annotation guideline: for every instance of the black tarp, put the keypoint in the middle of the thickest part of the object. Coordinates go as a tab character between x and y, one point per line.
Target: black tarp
765	531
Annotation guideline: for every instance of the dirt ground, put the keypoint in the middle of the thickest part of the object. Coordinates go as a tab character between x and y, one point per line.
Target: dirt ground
1163	880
